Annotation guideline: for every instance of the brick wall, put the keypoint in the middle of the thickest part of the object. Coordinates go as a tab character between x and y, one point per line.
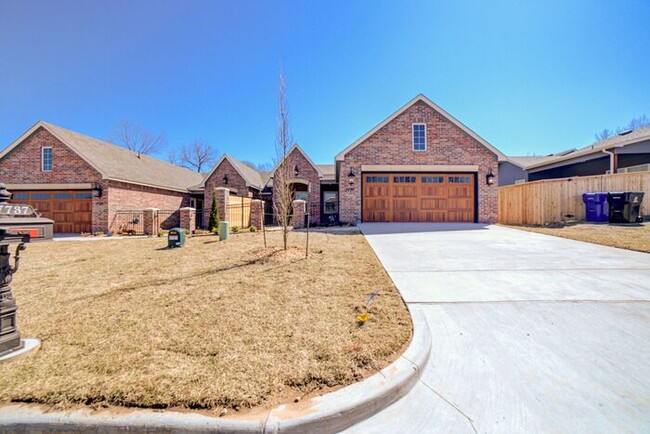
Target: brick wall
235	182
306	172
125	196
446	145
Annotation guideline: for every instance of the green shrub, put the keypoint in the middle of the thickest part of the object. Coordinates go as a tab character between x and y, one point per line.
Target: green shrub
213	221
234	229
252	229
215	231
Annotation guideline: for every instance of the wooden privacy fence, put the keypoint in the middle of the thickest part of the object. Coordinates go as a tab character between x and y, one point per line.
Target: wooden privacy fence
239	211
555	200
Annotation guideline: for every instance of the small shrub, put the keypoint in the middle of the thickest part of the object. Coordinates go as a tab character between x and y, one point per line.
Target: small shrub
215	231
252	229
234	229
213	221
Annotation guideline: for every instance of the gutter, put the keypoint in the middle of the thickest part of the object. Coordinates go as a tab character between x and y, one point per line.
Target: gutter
611	160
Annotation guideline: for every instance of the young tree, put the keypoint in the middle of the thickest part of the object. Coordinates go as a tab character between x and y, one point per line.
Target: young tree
260	167
282	194
634	124
213	221
134	137
198	156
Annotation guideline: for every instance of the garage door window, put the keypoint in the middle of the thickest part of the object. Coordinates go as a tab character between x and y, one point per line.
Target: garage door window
460	179
374	179
20	196
83	195
404	179
433	179
40	196
63	196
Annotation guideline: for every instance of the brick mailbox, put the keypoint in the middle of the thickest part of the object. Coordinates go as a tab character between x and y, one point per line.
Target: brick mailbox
21	219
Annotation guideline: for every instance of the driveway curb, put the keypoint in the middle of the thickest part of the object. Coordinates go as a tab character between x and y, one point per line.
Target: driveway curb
332	412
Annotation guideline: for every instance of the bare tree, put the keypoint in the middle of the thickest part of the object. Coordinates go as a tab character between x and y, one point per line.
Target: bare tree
197	156
134	137
634	124
282	194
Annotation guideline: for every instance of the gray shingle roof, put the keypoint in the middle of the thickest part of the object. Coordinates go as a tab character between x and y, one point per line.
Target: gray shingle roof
116	163
525	161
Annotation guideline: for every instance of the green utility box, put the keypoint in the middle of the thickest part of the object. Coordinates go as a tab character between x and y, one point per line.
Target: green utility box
224	230
176	238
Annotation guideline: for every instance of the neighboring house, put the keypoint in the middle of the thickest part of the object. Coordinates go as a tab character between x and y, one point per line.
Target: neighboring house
419	165
628	151
81	182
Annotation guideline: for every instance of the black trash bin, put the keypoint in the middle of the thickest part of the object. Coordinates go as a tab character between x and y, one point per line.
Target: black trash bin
625	207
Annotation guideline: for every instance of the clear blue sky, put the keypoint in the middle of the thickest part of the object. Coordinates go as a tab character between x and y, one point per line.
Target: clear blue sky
531	77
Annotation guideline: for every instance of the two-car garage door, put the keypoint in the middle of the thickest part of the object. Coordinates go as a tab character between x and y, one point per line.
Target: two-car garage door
418	197
70	210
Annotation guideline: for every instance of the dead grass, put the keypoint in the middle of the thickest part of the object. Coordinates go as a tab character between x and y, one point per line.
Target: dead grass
127	323
624	237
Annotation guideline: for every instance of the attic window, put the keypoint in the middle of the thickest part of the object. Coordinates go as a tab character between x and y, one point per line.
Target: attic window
46	159
419	137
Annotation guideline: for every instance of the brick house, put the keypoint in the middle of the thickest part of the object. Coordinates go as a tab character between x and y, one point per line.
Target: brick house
419	165
81	182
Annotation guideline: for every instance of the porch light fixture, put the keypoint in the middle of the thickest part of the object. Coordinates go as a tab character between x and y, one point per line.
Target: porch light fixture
296	170
97	190
489	178
351	177
225	179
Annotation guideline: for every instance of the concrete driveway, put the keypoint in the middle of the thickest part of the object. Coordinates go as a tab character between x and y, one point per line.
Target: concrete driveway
531	333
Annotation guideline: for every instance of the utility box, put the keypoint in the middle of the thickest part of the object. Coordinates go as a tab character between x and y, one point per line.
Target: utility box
176	238
224	230
597	210
625	207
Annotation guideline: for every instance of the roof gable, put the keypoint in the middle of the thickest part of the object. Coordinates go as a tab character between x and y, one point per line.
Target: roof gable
341	155
251	177
116	163
297	148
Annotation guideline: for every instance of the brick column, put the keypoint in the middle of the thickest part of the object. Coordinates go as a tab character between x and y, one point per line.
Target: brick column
222	195
151	225
188	218
257	213
298	219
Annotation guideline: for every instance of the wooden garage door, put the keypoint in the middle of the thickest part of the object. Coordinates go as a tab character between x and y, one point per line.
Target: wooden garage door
71	210
418	197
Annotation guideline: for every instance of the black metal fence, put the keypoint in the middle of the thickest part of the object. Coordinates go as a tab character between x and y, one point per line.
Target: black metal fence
128	222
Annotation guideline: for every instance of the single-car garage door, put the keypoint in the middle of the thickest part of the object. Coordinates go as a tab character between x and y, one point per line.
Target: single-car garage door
418	197
70	210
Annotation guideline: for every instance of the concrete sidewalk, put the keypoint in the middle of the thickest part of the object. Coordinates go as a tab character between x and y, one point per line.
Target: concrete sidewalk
531	333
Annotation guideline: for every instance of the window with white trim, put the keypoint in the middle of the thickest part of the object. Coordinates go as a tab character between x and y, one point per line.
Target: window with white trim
46	159
419	137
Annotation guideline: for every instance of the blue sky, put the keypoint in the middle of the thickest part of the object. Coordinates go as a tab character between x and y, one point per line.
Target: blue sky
531	77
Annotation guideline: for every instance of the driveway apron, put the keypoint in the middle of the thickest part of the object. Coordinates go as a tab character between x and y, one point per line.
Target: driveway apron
531	333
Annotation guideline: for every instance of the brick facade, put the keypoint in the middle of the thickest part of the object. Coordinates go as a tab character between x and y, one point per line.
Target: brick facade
447	144
236	184
308	174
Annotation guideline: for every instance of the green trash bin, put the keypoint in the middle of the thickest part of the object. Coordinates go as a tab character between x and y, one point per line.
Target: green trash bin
224	230
176	238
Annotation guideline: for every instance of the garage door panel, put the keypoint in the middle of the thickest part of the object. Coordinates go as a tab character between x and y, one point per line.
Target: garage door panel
424	197
70	210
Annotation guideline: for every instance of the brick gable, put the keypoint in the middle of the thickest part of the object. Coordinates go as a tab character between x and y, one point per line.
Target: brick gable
447	144
308	173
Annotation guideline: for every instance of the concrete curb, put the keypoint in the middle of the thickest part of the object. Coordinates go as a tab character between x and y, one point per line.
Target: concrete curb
332	412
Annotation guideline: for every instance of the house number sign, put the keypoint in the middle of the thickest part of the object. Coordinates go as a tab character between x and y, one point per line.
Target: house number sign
10	209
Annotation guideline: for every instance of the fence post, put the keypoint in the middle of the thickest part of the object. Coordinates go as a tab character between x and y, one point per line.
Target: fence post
188	218
150	225
257	214
222	195
298	219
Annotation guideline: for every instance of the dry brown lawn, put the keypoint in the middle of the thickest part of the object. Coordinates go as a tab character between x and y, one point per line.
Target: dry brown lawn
214	324
625	237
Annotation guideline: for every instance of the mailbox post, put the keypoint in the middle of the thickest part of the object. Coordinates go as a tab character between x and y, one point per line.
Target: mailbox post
9	334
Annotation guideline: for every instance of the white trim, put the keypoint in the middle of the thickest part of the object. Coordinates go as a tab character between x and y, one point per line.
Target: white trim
418	168
341	155
43	169
413	136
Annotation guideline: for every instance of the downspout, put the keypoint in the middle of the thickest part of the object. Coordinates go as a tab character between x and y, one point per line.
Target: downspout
611	160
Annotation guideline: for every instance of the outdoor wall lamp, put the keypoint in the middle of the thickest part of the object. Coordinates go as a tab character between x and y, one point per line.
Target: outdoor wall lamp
489	178
296	170
97	190
225	179
351	177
